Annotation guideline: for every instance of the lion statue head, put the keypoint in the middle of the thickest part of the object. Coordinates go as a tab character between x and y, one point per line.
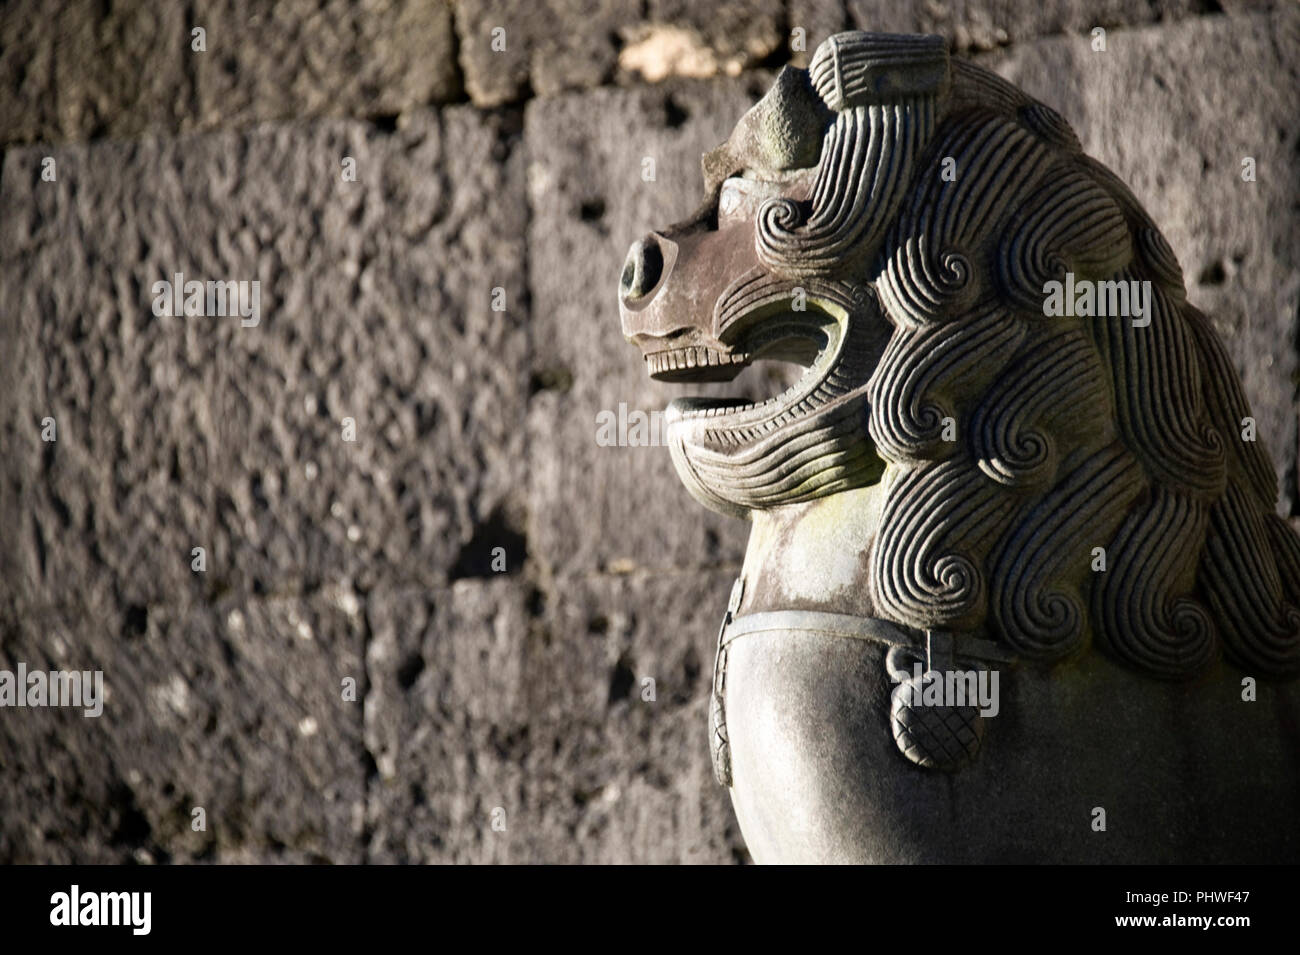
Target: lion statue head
907	227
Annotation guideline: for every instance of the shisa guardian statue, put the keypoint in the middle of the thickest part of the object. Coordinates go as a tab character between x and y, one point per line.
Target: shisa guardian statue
1015	587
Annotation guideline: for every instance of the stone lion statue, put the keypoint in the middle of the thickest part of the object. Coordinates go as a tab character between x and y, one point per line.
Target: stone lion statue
1015	588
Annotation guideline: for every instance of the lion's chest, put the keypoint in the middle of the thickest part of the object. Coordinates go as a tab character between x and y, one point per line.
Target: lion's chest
812	556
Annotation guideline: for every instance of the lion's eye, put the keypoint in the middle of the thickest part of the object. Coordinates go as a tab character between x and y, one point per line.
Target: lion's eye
730	199
740	198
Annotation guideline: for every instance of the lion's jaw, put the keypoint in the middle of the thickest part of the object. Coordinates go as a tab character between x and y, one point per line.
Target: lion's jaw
809	442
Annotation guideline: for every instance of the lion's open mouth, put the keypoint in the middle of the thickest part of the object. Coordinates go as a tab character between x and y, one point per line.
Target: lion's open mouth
743	452
804	344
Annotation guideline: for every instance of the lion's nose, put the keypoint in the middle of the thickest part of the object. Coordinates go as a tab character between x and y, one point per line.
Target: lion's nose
642	270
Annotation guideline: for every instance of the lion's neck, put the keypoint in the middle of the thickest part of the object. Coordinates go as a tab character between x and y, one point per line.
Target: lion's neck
813	556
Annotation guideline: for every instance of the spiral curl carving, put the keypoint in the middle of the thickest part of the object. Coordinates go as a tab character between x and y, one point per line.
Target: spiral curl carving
867	157
1070	224
926	561
924	372
1041	562
1260	627
1013	433
1156	377
1145	611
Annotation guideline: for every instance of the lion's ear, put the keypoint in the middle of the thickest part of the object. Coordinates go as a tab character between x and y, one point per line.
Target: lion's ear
782	131
787	125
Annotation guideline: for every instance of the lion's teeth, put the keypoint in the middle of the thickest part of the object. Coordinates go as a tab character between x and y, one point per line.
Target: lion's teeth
698	356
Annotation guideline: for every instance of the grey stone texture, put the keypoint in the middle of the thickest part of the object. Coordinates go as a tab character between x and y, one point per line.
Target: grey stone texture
339	58
74	69
548	721
233	707
177	432
556	45
978	25
475	428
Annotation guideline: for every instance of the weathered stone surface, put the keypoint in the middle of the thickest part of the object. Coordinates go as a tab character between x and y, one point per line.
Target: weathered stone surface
446	703
335	59
986	24
376	304
588	505
738	33
1173	111
75	69
558	45
235	707
475	707
541	51
71	69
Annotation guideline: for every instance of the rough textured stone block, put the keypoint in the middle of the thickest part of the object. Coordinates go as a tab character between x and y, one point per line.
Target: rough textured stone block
376	304
446	704
558	45
72	69
986	24
475	707
543	50
76	69
340	58
236	708
593	507
1173	111
738	33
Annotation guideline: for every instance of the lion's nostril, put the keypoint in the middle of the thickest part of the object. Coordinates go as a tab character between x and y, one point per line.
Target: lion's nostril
652	266
644	266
